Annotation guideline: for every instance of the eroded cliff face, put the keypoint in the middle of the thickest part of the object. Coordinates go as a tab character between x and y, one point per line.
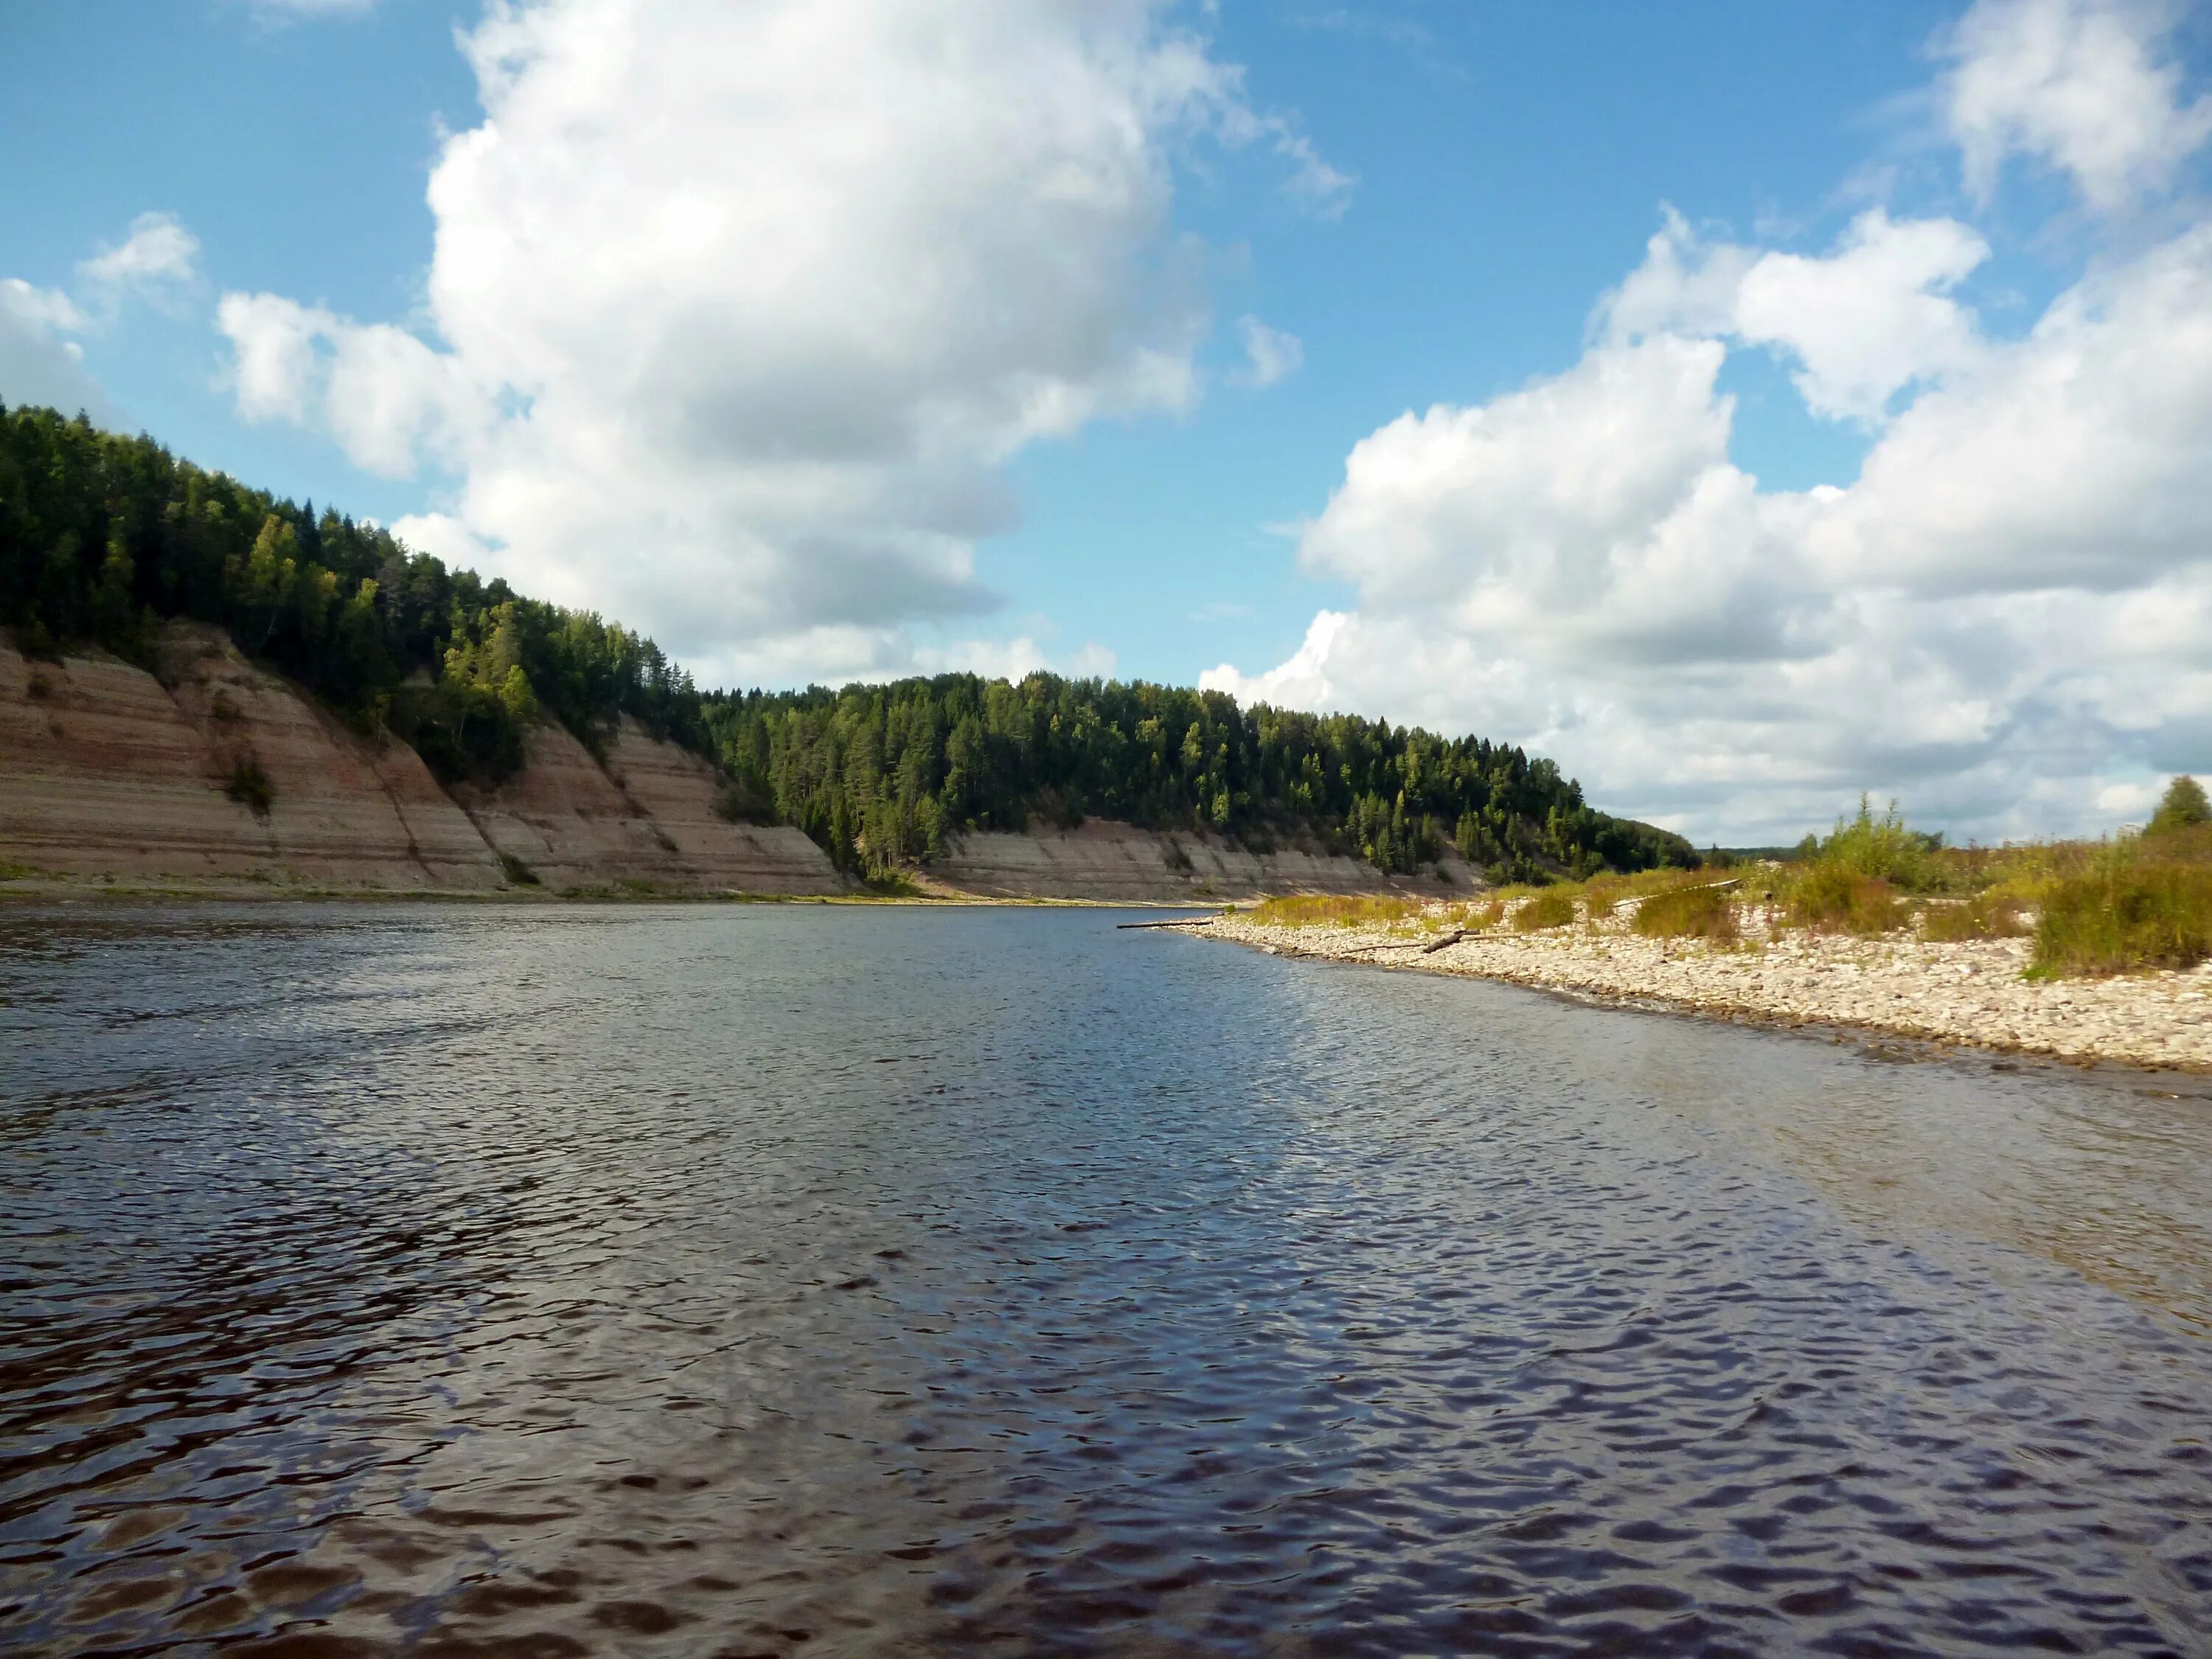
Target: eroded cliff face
1103	860
212	769
645	819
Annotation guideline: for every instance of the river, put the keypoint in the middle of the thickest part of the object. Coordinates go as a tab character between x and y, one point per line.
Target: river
836	1280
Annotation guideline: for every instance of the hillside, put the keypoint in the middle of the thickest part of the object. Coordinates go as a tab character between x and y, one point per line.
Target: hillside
116	557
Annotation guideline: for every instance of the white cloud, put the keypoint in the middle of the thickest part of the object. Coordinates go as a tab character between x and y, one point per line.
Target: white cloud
2083	85
1869	318
39	364
1864	321
739	310
41	329
2005	617
157	257
1270	355
384	395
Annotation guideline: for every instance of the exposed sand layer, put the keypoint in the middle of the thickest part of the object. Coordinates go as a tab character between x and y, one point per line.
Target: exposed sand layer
1970	993
109	772
645	819
1099	860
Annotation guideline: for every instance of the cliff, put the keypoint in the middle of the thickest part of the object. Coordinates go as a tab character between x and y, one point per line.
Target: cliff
212	770
1103	860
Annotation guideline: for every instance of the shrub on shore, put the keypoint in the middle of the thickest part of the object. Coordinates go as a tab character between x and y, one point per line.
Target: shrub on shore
1834	896
2139	906
1880	848
1550	906
1704	912
2183	805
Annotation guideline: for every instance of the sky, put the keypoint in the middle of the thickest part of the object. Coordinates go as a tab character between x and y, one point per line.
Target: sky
1747	406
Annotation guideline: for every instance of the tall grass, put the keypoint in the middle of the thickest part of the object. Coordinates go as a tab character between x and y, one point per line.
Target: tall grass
1334	910
1705	912
1549	907
2145	901
1994	914
1832	897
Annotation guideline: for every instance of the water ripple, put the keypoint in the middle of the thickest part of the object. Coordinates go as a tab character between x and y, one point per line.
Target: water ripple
770	1281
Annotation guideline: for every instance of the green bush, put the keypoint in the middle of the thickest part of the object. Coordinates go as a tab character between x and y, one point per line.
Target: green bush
1552	907
2129	912
1880	848
2183	805
1833	895
249	786
1688	913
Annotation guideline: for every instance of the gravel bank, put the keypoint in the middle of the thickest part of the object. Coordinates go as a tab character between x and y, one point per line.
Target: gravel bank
1969	993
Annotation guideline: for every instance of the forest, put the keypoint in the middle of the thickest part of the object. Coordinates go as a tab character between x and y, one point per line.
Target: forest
104	536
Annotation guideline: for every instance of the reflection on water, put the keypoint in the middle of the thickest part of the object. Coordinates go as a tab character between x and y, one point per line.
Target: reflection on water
773	1281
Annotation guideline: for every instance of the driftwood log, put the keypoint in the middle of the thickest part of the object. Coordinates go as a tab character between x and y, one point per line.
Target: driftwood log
1181	921
1426	946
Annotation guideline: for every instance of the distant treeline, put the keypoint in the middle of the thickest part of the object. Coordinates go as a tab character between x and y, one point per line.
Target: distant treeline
103	537
882	773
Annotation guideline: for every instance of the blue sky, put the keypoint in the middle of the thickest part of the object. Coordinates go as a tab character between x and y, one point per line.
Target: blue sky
1433	200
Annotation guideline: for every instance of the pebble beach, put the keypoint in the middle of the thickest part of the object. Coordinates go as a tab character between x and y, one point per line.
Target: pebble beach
1971	993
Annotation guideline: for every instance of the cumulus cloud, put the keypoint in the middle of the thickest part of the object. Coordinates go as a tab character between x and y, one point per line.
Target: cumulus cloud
1270	355
39	362
2083	85
735	312
1863	321
157	258
42	329
2006	617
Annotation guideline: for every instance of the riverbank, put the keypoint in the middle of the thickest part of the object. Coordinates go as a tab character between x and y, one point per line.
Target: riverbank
1970	993
37	889
211	773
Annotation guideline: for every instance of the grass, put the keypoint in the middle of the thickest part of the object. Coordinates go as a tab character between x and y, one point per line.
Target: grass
2127	904
1704	912
1334	910
1831	897
1550	906
892	883
1994	914
2144	901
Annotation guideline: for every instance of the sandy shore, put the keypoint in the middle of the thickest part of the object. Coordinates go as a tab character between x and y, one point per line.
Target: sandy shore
1971	993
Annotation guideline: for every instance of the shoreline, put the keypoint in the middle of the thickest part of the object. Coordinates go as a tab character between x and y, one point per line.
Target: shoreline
47	889
1968	994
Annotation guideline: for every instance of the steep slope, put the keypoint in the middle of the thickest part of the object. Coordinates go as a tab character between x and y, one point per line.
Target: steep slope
105	770
215	769
1103	860
645	819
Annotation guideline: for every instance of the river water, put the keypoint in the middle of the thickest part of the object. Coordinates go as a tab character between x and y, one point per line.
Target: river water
840	1280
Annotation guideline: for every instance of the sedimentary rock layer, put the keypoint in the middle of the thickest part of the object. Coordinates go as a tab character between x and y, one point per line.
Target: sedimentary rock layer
1104	860
212	769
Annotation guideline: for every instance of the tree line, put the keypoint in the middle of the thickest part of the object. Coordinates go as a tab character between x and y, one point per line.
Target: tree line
103	538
